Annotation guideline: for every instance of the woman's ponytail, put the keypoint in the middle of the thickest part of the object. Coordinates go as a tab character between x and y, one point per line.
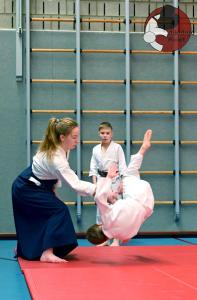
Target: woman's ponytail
55	128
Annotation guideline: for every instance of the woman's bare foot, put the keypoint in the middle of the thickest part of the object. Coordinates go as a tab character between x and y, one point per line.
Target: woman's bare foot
115	243
49	256
146	142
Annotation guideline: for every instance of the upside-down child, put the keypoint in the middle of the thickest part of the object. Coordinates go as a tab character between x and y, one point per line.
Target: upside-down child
122	219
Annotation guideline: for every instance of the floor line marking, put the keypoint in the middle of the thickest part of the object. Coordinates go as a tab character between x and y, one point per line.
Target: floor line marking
175	278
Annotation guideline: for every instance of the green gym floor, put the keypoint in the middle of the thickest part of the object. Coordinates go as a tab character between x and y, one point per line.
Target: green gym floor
12	282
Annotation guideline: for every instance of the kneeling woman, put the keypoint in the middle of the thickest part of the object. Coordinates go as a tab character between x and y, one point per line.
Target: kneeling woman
43	224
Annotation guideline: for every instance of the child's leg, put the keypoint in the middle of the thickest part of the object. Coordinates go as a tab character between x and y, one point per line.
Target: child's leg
98	218
146	142
115	243
136	159
134	166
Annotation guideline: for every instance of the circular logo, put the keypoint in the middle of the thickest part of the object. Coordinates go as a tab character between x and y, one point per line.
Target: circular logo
167	29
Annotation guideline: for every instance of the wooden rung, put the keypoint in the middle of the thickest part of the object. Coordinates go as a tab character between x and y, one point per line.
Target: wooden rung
157	172
156	202
163	202
161	52
151	81
90	142
188	202
137	21
85	111
154	142
36	141
142	21
149	52
53	20
117	112
112	51
70	203
119	142
86	173
188	142
98	142
134	112
89	203
103	81
183	202
188	82
194	172
48	111
52	50
83	142
94	20
52	81
152	112
132	142
188	112
73	203
102	51
188	52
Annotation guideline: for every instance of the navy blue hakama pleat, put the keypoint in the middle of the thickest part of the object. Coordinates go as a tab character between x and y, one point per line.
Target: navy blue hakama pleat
42	220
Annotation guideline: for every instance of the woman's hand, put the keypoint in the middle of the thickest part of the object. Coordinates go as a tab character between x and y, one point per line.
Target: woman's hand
112	197
112	171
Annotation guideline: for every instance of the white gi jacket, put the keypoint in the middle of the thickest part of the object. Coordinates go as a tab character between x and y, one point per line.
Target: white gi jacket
122	220
58	168
102	160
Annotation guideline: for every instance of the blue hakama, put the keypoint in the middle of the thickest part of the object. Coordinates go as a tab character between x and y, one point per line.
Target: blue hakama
42	220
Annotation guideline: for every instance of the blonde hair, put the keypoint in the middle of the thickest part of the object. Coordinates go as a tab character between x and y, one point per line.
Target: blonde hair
55	128
104	125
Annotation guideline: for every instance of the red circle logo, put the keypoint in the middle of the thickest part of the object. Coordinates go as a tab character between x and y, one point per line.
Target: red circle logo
167	29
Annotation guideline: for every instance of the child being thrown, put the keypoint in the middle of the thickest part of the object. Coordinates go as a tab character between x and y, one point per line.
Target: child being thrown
123	219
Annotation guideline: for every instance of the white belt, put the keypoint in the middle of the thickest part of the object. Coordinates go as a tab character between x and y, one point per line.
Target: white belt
34	180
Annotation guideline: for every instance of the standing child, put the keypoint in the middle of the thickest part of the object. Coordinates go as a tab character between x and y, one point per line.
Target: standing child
102	156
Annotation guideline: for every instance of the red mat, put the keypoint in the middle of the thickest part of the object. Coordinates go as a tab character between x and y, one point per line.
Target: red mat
118	273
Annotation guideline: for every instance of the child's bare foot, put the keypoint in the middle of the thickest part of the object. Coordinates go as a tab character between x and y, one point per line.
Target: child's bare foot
48	256
115	243
146	142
